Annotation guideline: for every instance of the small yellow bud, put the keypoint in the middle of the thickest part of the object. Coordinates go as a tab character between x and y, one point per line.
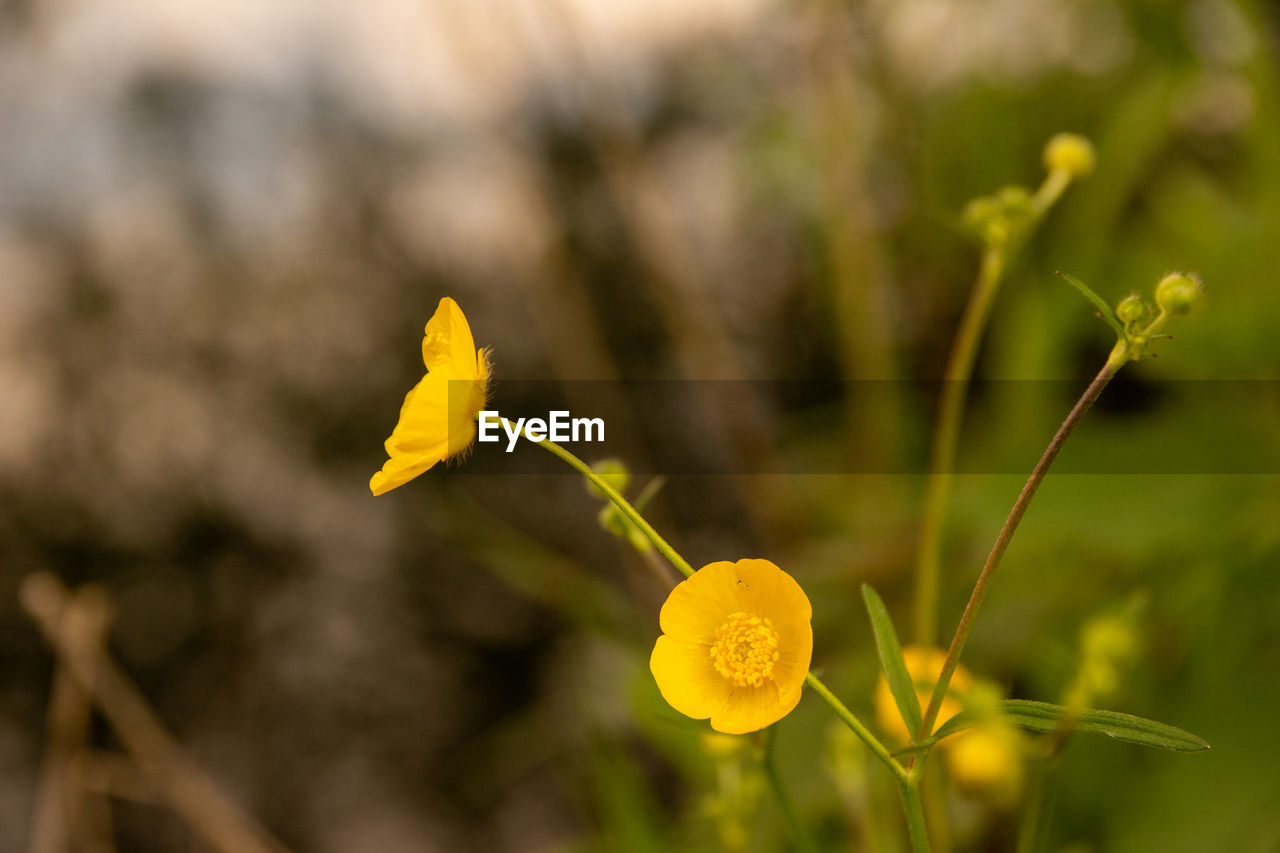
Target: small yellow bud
1177	293
1131	310
1070	153
612	471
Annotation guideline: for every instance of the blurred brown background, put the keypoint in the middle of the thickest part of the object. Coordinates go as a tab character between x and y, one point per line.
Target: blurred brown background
223	225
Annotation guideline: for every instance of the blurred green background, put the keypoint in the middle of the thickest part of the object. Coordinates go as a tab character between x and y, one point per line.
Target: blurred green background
222	227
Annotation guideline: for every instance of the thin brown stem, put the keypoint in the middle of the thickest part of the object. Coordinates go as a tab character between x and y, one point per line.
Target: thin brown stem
1077	412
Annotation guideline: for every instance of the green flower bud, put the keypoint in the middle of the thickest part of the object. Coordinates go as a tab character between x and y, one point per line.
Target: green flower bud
1131	310
998	218
612	471
1177	293
1015	201
1070	153
613	522
979	213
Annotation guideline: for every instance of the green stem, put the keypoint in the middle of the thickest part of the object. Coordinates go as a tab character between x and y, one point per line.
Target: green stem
1055	184
787	806
621	503
847	717
995	260
1073	418
907	786
916	830
945	438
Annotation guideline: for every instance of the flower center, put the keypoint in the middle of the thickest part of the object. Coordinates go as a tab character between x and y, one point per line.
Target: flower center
745	649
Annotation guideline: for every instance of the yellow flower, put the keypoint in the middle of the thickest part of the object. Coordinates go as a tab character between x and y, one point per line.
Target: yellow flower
736	645
438	418
923	665
987	756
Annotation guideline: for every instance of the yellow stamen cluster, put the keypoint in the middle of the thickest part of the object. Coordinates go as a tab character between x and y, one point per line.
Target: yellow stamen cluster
745	649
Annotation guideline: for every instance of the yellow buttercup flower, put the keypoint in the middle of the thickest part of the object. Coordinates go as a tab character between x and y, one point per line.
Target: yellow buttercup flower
736	645
923	665
438	418
987	756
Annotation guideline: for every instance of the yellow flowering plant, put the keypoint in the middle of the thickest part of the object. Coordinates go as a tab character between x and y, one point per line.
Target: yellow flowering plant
736	638
986	757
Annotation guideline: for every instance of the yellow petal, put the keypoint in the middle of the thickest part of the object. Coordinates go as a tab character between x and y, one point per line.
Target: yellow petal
421	435
400	470
795	653
749	709
687	679
447	341
437	419
765	590
698	606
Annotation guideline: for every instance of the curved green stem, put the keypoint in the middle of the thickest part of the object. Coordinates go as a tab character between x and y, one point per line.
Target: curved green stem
621	503
847	717
1055	184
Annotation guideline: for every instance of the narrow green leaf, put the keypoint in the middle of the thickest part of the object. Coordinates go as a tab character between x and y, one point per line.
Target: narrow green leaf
1108	314
927	743
895	668
1046	717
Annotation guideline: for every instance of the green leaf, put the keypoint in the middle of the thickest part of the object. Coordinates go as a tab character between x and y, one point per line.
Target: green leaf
1046	717
1108	314
895	668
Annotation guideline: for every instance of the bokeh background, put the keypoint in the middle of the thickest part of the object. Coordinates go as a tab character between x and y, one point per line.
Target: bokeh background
223	225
